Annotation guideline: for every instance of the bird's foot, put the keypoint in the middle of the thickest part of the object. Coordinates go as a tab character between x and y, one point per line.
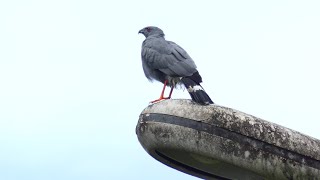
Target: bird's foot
160	99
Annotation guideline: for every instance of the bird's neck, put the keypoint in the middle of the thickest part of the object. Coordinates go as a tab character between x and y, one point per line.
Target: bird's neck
156	36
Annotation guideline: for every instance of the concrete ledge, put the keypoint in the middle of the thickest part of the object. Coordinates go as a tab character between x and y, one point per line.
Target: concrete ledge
215	142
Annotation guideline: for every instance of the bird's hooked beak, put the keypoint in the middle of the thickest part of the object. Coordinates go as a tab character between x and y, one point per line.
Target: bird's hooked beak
141	31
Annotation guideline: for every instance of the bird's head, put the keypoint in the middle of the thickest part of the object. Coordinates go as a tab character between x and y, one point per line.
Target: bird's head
151	31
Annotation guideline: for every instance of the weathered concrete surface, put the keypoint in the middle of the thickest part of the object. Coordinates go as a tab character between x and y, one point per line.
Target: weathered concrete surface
218	142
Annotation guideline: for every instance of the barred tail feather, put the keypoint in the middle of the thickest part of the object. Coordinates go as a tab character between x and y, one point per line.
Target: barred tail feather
196	91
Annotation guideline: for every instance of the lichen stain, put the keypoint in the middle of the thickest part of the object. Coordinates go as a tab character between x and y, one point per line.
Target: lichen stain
246	154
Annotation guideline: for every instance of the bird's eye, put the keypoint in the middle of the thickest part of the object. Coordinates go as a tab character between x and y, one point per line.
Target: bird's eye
148	29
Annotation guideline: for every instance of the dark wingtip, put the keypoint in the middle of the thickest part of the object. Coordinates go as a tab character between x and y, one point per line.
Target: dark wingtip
196	92
201	97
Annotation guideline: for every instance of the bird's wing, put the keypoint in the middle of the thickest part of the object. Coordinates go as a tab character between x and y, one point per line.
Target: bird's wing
168	57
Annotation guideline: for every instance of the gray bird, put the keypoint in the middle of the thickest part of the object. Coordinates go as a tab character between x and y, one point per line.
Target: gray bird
167	62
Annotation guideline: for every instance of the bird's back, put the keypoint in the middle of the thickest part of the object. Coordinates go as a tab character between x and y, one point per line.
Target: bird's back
167	57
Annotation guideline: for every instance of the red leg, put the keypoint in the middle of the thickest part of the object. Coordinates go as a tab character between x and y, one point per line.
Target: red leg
163	89
162	93
170	92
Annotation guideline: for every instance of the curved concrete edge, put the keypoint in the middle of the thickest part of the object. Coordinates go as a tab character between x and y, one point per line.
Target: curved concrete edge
187	150
240	122
218	142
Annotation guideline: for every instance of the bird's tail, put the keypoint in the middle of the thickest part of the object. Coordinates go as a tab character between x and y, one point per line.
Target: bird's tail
196	91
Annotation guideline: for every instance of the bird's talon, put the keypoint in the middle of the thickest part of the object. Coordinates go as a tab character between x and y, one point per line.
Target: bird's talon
160	99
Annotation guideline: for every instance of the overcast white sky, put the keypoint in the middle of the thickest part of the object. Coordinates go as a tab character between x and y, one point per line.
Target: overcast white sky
72	85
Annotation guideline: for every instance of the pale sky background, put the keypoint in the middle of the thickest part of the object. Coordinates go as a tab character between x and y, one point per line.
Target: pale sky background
72	85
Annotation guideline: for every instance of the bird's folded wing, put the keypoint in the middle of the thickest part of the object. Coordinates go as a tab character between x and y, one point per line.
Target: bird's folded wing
169	58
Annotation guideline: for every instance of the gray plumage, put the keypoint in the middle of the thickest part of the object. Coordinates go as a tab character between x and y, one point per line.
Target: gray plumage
165	60
161	58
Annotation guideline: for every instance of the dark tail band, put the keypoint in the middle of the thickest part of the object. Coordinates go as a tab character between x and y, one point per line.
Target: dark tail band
196	91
